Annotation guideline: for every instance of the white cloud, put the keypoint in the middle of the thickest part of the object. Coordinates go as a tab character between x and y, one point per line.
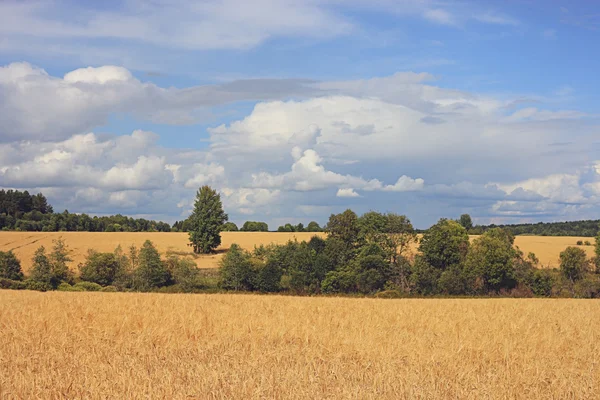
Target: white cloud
348	192
405	184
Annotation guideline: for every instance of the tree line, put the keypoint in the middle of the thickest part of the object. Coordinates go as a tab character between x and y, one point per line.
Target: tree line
26	212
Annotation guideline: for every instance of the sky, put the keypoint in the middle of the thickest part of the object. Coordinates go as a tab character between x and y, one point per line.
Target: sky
296	109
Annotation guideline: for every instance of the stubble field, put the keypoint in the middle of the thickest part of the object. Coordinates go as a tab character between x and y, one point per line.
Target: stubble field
133	345
24	244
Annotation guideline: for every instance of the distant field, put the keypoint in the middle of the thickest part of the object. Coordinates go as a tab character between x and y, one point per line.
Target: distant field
157	346
24	244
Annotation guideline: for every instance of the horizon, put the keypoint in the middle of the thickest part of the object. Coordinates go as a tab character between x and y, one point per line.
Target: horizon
297	110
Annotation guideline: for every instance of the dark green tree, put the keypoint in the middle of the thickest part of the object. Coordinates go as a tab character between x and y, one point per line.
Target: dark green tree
10	266
313	227
100	268
41	269
229	227
344	226
207	220
236	270
466	221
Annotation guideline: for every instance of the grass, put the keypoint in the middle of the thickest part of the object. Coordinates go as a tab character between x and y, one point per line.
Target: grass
129	345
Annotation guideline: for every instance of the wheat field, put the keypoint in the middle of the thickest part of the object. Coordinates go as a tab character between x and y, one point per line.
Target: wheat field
24	244
133	345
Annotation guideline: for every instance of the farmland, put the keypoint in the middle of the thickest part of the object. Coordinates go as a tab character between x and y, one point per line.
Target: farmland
132	345
24	244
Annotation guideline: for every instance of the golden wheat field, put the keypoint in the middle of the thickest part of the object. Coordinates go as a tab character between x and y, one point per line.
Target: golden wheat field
24	244
179	346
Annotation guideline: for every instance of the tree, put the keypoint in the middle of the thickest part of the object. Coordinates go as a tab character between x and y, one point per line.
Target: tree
597	252
313	227
236	270
207	220
445	244
465	221
59	257
573	263
491	260
344	226
152	272
255	226
100	268
41	269
10	266
229	227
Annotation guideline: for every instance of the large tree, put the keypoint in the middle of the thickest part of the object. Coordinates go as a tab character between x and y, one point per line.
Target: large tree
207	221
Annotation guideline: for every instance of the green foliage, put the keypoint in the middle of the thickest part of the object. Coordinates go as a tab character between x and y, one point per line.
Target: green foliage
59	257
466	222
30	284
573	263
344	227
184	273
389	294
445	244
229	227
11	284
313	226
87	287
65	287
207	219
491	261
41	270
293	228
101	268
542	282
424	277
580	243
236	270
152	272
10	266
254	226
268	277
109	289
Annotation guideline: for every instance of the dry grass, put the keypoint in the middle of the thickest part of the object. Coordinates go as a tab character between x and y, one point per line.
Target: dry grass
126	345
24	244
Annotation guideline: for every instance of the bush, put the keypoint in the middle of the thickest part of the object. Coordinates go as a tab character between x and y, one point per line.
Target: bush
87	286
101	268
573	263
109	289
65	287
587	243
35	285
12	284
184	272
236	270
152	271
541	283
580	243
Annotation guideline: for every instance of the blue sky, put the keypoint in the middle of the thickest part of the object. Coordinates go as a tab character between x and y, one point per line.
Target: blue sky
297	109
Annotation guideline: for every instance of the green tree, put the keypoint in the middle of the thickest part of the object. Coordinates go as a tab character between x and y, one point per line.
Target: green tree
445	244
10	266
597	253
491	261
236	270
207	220
229	227
184	271
100	268
59	257
466	221
152	272
41	269
313	226
573	263
344	226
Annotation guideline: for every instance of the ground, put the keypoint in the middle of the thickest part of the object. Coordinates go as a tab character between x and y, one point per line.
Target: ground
24	244
182	346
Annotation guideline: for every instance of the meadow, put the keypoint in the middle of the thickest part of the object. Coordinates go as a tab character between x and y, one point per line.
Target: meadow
148	345
24	244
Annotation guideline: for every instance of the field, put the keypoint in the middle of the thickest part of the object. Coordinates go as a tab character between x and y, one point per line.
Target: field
131	345
24	244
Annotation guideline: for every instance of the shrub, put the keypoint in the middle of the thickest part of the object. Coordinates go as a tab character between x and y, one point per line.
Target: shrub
87	286
36	285
541	283
268	277
184	272
109	289
587	243
12	284
65	287
580	243
445	244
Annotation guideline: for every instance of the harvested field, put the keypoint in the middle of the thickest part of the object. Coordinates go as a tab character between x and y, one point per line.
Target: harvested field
130	345
24	244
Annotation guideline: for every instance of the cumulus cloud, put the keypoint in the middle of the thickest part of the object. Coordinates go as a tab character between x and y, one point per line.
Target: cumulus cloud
347	192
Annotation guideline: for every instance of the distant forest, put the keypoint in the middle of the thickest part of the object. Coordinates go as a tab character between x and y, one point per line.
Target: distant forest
26	212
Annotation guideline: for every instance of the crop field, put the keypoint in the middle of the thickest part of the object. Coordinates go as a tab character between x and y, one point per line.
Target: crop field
133	345
24	244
